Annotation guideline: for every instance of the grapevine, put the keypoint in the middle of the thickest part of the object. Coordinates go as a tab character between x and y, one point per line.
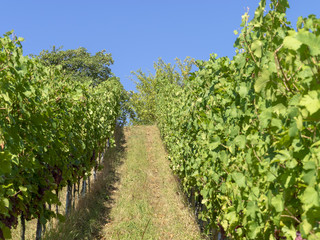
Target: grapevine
243	133
52	130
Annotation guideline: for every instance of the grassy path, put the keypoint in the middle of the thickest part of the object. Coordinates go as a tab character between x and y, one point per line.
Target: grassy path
147	203
136	197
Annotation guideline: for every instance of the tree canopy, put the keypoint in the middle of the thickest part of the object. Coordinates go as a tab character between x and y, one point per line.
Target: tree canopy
79	63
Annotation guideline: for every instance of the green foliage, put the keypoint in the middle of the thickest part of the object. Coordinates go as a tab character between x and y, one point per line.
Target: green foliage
80	65
51	131
143	103
244	133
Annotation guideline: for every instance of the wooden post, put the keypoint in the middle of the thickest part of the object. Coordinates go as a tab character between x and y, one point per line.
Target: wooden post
23	227
69	198
57	206
84	188
39	230
89	183
78	188
74	196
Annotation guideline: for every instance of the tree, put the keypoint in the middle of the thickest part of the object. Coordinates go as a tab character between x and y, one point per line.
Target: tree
144	102
80	64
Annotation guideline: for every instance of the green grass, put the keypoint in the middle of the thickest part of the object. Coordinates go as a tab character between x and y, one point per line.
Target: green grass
149	203
136	196
131	215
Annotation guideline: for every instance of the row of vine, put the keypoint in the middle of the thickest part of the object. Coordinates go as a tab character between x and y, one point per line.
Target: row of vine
52	130
243	134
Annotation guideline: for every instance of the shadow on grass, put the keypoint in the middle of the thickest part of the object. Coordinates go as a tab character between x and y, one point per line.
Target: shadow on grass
92	211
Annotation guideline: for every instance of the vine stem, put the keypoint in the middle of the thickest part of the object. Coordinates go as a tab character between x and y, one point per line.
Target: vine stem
254	152
304	136
296	219
292	217
224	146
279	67
251	53
3	68
295	81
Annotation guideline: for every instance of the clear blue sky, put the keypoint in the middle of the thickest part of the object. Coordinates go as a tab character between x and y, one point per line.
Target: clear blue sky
135	32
